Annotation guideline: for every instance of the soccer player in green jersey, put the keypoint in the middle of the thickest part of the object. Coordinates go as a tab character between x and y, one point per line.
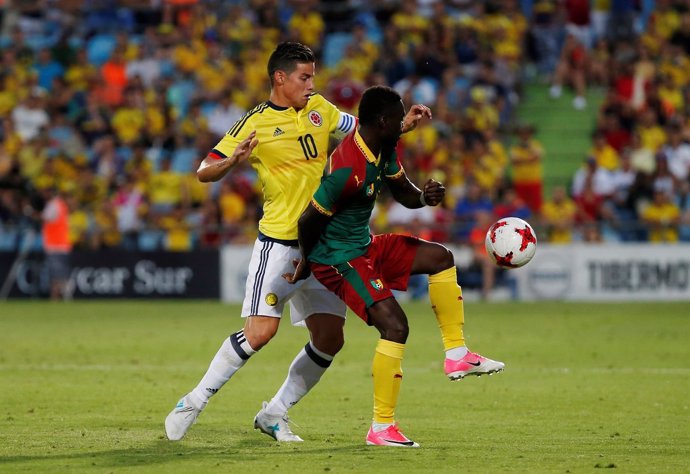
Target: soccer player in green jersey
285	139
338	248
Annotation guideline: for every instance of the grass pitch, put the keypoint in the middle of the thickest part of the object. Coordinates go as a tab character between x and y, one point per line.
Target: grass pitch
86	387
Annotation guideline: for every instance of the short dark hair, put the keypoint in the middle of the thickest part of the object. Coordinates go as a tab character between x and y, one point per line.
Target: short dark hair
286	57
377	101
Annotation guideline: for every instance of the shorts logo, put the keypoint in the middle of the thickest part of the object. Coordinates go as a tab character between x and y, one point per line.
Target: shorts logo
377	284
271	299
315	118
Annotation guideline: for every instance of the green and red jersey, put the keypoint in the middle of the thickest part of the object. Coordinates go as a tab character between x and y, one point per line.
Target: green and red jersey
348	193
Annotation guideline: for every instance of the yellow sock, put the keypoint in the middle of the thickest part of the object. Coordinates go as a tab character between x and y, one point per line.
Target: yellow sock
446	301
387	372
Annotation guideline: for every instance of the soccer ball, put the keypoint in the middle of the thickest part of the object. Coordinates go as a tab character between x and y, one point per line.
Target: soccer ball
510	242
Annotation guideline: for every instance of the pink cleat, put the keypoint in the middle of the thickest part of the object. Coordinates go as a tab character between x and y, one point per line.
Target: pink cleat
471	364
391	436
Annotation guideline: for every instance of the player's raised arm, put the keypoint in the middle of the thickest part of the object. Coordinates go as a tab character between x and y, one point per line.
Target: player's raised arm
406	193
415	115
214	167
311	225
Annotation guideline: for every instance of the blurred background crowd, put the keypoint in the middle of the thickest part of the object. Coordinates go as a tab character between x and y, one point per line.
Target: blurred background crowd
112	105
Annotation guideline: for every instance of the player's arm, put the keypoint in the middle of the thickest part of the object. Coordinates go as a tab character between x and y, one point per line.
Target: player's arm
406	193
310	226
215	167
336	186
415	115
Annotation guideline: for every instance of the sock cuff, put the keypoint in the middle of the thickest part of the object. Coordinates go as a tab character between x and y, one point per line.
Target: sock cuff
320	358
449	275
241	345
390	348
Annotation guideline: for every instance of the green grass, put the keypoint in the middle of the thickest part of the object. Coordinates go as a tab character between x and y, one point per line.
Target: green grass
86	386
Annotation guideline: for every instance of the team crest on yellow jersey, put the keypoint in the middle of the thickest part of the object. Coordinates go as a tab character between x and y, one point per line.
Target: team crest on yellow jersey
315	118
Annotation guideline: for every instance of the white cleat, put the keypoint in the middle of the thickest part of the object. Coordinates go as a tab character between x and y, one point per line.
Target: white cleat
275	426
183	416
471	364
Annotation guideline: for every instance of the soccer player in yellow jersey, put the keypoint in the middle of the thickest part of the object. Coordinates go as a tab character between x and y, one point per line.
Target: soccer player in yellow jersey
285	139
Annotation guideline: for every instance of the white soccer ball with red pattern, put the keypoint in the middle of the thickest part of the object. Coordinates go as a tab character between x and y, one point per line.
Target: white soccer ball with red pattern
511	242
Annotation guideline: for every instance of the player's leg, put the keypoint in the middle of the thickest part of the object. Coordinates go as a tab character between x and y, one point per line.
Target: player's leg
324	315
368	295
446	301
262	307
390	320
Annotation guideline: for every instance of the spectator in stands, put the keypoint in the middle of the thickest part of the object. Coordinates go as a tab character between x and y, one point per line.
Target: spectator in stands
56	242
165	189
481	263
511	205
467	210
662	217
558	215
641	158
526	160
30	116
306	24
47	70
677	152
683	203
605	154
571	70
619	208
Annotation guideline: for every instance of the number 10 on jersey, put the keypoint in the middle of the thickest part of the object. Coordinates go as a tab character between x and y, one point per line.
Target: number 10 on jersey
308	146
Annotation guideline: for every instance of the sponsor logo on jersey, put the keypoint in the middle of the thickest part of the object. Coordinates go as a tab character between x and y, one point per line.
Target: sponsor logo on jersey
278	132
377	284
271	299
315	118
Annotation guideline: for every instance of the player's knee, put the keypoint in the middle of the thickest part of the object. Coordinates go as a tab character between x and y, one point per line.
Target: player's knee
443	259
259	335
394	330
330	341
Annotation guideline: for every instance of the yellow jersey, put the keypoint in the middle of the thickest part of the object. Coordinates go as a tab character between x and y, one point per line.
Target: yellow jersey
289	158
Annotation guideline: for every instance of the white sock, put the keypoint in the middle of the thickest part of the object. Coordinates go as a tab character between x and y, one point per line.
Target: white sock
305	371
456	353
232	355
380	426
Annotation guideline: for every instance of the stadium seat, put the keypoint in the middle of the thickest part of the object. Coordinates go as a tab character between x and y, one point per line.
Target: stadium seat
150	240
334	47
99	48
182	160
8	240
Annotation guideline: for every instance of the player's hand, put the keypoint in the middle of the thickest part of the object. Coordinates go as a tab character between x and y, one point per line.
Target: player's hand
433	192
301	272
244	149
416	113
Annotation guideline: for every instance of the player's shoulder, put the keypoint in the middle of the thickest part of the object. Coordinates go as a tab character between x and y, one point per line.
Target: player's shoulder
253	115
347	153
316	100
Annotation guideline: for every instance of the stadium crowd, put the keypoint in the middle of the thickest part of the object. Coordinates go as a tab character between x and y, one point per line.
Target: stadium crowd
112	104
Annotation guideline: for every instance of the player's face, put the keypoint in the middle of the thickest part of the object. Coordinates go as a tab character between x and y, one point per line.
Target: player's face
299	85
394	124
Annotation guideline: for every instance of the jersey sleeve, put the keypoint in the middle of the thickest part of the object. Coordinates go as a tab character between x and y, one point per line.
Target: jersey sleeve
346	124
334	187
238	132
394	168
339	123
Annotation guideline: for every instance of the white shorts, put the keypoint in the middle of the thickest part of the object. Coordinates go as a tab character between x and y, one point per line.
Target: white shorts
266	291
